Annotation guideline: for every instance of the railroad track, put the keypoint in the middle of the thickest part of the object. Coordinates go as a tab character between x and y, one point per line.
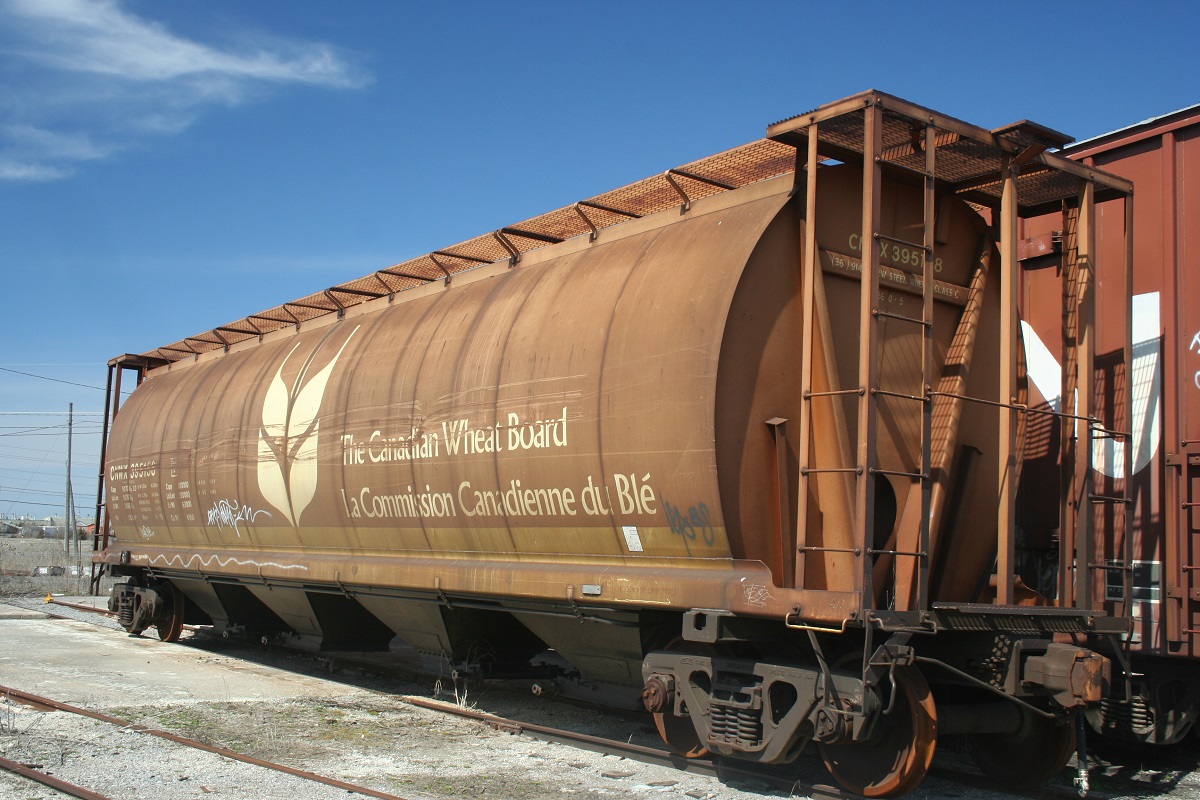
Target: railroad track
33	773
647	755
81	607
725	770
598	744
773	777
48	704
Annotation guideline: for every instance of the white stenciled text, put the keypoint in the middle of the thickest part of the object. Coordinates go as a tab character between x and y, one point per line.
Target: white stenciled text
1195	347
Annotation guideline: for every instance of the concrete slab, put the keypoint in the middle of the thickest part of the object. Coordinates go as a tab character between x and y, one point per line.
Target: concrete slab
78	663
14	612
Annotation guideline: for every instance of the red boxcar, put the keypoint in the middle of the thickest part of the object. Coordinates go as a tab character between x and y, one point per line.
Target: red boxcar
1155	571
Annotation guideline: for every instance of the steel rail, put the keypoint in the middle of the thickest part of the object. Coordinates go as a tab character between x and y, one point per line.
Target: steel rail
46	779
596	744
27	697
82	607
96	610
647	755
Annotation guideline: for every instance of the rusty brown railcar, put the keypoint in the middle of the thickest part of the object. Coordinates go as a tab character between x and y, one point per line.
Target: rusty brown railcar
737	443
1144	562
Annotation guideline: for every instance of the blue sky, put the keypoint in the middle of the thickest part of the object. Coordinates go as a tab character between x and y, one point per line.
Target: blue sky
166	167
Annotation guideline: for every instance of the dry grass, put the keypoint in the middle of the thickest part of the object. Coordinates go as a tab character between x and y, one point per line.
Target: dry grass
41	566
22	740
307	730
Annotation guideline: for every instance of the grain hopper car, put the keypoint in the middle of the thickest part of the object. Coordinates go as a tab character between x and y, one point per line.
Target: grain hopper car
738	444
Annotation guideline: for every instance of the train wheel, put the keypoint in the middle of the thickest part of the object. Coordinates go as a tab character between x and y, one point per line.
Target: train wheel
896	756
680	735
170	629
1035	753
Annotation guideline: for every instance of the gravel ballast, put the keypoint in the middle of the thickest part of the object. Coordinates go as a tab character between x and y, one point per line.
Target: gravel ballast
348	723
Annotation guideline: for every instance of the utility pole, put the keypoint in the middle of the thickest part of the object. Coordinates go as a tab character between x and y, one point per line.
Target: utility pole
68	518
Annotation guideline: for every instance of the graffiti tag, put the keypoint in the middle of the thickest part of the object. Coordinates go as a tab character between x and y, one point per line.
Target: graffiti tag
691	524
231	514
757	595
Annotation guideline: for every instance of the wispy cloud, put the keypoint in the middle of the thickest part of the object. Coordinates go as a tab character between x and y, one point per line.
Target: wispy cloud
84	79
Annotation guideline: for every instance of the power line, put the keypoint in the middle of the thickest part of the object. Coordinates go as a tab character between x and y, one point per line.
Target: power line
6	451
44	378
48	413
43	478
31	458
51	492
10	448
90	425
44	434
14	503
17	431
40	430
92	421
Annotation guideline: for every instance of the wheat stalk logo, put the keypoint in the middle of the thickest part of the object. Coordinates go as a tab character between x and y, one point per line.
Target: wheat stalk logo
287	441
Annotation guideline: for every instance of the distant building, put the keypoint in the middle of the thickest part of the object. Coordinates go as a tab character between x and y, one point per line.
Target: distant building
55	527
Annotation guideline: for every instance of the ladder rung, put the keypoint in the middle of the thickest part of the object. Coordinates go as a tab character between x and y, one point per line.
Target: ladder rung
853	470
901	395
1100	498
814	549
918	554
917	476
903	318
838	393
904	242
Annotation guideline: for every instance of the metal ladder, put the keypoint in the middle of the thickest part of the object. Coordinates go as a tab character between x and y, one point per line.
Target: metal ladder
117	367
871	317
1077	547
